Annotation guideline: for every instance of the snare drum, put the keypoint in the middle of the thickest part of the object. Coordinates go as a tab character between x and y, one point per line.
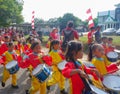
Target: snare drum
12	67
62	64
112	56
41	72
112	82
97	90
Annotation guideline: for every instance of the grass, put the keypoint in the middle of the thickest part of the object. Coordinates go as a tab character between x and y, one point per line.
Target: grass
116	39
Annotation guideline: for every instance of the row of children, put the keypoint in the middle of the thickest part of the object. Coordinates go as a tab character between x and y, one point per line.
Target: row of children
73	69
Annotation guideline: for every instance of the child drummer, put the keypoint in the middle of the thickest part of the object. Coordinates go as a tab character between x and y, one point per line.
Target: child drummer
34	59
101	63
7	57
57	76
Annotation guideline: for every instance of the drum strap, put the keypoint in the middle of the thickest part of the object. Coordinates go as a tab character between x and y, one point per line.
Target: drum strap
87	87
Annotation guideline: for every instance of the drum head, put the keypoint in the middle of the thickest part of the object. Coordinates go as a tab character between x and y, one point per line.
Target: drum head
37	69
11	64
62	64
112	82
97	90
112	55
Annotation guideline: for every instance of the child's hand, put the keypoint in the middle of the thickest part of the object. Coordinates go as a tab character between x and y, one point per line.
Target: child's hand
83	74
118	63
96	72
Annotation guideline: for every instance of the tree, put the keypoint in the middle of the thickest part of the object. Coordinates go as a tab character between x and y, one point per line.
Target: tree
68	17
10	12
95	21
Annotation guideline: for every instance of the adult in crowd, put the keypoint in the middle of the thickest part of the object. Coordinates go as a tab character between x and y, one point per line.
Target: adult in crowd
98	34
69	33
90	35
55	34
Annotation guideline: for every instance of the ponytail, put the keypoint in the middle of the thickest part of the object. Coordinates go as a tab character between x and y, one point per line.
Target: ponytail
90	54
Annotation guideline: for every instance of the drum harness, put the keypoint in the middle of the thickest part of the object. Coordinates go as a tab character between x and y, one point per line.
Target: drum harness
88	81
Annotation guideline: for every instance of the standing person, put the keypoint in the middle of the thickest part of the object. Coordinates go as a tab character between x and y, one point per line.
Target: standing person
98	34
54	34
4	46
7	57
57	76
90	35
34	59
75	70
105	44
69	33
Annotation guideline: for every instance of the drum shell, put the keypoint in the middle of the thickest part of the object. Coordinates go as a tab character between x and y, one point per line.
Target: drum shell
14	68
112	59
43	74
112	56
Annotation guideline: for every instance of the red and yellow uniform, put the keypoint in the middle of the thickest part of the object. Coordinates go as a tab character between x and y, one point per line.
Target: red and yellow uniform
8	57
34	59
57	76
76	84
3	48
103	66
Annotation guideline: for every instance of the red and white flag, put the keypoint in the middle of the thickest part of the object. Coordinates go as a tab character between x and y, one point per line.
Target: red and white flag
32	21
90	19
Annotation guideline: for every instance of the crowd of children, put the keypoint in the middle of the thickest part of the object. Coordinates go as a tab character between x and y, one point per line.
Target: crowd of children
28	54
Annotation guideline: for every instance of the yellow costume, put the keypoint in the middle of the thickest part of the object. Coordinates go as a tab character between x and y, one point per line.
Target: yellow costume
36	85
57	76
8	57
100	64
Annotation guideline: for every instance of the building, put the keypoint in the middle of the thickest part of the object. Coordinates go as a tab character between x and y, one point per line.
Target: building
110	18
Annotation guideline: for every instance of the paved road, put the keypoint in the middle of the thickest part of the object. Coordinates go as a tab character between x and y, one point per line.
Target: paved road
24	83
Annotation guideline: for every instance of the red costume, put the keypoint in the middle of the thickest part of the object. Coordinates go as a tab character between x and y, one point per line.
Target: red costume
77	83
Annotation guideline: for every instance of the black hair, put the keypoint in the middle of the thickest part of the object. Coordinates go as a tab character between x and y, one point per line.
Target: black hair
34	45
70	24
6	37
104	38
72	48
110	39
92	48
10	44
53	42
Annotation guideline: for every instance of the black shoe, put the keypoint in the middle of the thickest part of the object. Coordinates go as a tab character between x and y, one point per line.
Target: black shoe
27	92
48	87
16	87
2	84
63	92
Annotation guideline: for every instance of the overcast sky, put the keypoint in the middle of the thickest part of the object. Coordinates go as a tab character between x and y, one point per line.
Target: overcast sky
46	9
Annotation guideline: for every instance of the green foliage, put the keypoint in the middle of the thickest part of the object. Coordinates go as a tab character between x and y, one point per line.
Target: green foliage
68	17
10	12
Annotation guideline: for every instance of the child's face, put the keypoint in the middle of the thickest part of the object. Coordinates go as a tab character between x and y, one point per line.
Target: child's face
99	52
37	48
79	55
56	46
7	39
11	48
105	40
110	42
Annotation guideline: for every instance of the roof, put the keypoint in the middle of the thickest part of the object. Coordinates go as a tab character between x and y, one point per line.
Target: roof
106	13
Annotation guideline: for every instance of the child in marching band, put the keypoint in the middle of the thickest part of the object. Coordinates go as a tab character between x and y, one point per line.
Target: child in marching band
100	61
105	44
75	70
7	57
110	44
57	76
34	59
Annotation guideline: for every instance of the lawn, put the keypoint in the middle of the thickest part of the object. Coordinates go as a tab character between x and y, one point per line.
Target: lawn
116	39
